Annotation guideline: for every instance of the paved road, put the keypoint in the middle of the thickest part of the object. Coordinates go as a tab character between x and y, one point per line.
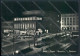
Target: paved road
23	44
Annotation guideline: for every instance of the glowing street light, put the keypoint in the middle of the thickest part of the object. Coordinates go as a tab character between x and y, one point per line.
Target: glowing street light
16	51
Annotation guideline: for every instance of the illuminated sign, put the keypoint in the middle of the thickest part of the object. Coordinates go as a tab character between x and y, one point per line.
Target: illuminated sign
27	18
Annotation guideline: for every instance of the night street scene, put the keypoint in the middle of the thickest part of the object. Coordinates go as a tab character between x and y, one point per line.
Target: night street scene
39	28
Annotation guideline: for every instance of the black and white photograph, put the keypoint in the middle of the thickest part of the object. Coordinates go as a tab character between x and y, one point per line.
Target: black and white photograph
39	28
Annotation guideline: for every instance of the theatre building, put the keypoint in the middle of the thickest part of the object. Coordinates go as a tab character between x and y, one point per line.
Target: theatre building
25	25
69	22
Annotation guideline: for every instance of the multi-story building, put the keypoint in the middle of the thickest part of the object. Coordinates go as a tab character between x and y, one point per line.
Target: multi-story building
26	25
69	22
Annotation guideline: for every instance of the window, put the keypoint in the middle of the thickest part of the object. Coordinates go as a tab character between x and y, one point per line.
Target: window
73	28
18	26
40	18
77	21
26	18
67	21
28	25
70	21
15	26
18	18
33	18
77	28
21	19
62	21
70	28
74	21
33	25
23	26
30	18
15	19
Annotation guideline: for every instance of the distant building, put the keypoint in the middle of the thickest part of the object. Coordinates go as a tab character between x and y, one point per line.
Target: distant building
69	22
25	25
7	26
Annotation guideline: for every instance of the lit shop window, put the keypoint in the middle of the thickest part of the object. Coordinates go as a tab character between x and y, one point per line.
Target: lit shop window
17	18
30	18
33	18
26	18
21	19
40	18
14	19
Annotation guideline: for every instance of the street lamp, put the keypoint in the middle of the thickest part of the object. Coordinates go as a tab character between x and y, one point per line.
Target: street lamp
16	51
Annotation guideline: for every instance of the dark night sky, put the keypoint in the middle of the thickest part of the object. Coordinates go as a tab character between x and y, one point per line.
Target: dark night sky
28	5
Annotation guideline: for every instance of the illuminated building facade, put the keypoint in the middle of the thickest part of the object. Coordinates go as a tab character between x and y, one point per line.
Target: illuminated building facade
69	22
25	25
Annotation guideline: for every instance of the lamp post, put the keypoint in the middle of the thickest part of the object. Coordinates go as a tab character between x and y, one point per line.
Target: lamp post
13	38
